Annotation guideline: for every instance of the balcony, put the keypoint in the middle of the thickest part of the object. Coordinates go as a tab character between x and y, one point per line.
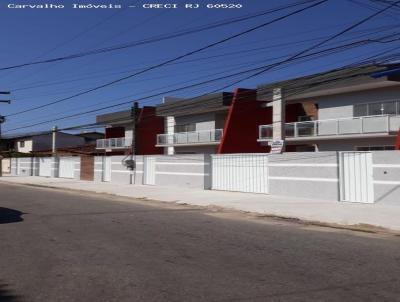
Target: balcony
203	137
113	143
353	126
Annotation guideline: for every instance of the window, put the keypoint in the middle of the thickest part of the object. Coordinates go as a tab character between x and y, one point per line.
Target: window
378	108
185	128
375	109
374	148
360	110
389	108
22	144
305	118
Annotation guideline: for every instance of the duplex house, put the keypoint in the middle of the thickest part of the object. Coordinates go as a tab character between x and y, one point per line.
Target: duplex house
347	109
121	131
193	125
216	123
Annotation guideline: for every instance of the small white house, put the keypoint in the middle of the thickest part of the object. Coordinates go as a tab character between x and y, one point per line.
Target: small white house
39	141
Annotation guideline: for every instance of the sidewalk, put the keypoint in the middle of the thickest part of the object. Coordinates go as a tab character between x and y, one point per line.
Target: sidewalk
348	214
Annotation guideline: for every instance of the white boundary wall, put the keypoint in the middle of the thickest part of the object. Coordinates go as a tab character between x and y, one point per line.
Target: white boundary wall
29	166
300	174
191	171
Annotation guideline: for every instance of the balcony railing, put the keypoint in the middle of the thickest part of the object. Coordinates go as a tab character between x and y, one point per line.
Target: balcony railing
335	127
113	143
189	138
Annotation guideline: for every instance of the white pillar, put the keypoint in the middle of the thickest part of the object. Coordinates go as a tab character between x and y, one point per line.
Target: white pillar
278	114
170	130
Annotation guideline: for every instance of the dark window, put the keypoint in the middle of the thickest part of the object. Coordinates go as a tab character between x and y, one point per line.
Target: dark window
389	108
374	148
360	110
379	108
22	144
375	109
185	128
305	118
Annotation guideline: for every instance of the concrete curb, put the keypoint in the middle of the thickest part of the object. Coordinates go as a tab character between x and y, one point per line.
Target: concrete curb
364	228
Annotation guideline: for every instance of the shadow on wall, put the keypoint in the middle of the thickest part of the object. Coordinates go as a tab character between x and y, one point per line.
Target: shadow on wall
10	216
7	295
392	191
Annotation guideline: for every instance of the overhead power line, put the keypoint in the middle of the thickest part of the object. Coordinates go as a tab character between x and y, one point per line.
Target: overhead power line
254	28
373	59
158	38
102	74
349	28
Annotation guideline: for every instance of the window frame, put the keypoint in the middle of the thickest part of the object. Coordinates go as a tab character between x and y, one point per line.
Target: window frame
381	103
368	148
187	128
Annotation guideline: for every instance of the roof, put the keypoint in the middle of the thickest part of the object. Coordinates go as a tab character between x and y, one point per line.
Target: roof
87	149
330	80
114	117
197	105
32	134
91	135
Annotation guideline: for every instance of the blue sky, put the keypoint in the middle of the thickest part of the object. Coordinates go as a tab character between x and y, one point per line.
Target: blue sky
31	34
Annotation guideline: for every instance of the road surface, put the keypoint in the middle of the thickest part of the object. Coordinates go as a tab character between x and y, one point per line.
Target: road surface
64	246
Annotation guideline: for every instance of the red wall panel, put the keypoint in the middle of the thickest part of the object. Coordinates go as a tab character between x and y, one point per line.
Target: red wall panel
115	132
148	126
398	141
245	116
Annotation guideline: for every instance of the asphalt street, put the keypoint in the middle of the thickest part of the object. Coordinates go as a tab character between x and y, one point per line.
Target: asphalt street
64	246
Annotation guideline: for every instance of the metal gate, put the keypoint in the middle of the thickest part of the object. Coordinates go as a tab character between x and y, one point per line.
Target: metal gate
240	172
149	165
6	165
66	167
87	167
45	166
107	168
356	177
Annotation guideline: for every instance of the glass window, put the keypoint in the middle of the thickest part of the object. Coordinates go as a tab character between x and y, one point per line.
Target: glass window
22	144
185	128
360	110
305	118
389	108
374	148
389	148
375	109
379	108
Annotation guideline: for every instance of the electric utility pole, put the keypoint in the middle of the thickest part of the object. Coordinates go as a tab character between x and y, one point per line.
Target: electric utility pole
134	116
2	120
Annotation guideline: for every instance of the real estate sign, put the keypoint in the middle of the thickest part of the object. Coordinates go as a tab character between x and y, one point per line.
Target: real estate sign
277	146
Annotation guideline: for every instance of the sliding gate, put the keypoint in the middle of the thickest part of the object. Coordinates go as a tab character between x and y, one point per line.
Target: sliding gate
240	172
356	177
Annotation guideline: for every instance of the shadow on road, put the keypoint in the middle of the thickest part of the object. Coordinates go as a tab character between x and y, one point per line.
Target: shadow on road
9	216
6	295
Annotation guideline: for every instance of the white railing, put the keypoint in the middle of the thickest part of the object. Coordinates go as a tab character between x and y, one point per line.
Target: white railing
193	137
341	126
113	143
